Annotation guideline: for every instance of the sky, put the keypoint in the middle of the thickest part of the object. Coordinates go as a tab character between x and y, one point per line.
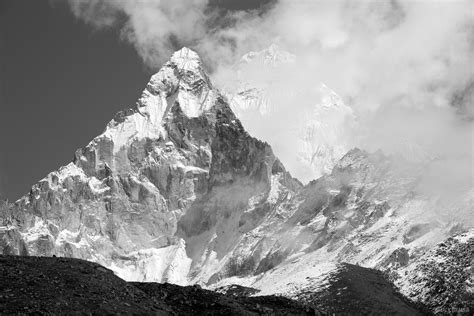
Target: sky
405	67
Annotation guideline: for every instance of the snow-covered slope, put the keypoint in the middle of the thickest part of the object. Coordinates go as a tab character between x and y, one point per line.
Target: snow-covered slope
318	134
366	212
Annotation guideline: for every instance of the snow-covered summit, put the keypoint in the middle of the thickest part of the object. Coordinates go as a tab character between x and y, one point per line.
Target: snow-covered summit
182	77
186	59
181	82
273	56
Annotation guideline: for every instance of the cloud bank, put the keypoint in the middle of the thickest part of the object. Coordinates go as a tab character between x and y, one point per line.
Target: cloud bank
405	67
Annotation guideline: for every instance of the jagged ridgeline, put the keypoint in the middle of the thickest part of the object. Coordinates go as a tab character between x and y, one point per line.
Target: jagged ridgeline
176	190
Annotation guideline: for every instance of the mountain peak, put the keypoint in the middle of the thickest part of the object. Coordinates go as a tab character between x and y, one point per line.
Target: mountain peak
186	59
183	76
183	80
180	86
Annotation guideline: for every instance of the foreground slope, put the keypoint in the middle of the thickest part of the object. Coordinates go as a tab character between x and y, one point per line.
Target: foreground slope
350	288
43	285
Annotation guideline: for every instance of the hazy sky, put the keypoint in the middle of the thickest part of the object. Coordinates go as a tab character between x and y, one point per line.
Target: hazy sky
67	66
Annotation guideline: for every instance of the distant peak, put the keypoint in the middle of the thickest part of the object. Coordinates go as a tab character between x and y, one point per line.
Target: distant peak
274	48
271	56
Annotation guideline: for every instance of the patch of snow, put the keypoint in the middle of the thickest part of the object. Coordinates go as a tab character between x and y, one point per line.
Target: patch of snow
39	230
70	170
288	279
97	186
275	189
167	264
186	59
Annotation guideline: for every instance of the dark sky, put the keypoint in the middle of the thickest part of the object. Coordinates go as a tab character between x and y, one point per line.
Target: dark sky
60	83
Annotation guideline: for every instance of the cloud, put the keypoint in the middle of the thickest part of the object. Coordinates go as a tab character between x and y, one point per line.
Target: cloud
405	67
154	28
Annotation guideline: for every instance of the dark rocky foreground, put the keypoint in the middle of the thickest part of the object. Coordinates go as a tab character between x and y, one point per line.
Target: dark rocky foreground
194	300
50	285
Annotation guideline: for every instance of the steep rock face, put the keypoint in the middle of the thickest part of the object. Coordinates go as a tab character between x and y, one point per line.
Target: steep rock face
162	193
